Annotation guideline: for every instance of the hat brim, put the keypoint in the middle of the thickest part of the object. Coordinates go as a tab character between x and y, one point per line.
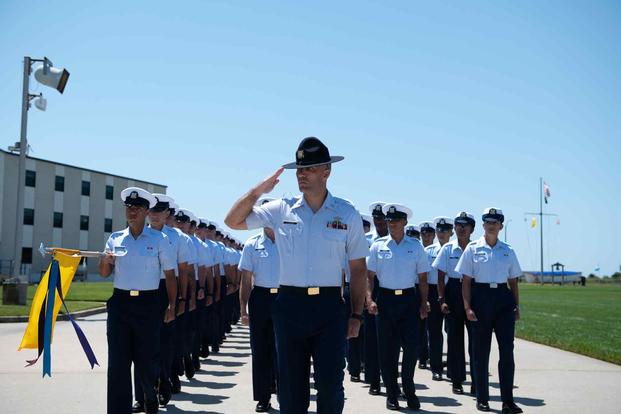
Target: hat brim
295	165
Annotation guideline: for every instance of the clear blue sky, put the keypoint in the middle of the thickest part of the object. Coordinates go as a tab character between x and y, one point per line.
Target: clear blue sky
443	106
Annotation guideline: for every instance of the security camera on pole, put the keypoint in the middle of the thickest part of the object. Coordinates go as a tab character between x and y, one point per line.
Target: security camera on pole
53	77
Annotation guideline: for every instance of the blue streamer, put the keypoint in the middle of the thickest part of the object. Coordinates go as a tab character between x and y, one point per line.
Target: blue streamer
86	346
49	317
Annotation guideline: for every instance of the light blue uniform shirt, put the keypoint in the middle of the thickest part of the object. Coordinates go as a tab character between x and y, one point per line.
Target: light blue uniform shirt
222	256
447	259
397	266
204	258
487	264
214	252
432	252
260	256
180	249
147	256
312	246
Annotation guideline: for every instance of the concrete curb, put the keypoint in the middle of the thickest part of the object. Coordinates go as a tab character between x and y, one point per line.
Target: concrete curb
61	316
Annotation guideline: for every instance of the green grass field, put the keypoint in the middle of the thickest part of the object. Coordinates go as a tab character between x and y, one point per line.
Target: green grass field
585	320
82	295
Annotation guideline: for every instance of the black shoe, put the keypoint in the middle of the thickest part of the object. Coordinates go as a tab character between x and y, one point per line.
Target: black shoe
511	408
413	402
138	407
164	393
151	407
176	385
458	389
482	406
263	407
189	367
196	363
436	376
392	405
422	365
375	390
354	378
163	400
204	352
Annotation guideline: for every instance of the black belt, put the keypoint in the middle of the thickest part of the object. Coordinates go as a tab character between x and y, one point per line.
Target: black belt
311	291
262	289
454	279
398	292
346	284
491	285
135	293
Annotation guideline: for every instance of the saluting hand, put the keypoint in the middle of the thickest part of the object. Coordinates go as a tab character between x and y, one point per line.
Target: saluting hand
472	317
267	185
353	328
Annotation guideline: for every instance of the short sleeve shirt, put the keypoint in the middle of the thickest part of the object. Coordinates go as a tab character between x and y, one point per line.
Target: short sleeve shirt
397	266
486	264
312	245
260	256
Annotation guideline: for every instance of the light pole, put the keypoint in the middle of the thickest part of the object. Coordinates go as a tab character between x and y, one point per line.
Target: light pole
52	77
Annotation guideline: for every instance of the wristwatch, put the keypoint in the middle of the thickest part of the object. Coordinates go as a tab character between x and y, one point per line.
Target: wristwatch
356	316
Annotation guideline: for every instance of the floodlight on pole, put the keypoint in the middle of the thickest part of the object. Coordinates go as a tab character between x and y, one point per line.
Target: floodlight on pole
48	75
55	78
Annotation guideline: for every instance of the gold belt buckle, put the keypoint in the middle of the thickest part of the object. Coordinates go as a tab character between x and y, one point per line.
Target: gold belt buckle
493	285
134	293
398	292
273	290
312	291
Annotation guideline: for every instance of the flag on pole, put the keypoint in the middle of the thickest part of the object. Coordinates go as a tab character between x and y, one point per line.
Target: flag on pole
533	222
546	192
46	303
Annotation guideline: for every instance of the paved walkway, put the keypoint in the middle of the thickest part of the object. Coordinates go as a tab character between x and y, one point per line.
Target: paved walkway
548	380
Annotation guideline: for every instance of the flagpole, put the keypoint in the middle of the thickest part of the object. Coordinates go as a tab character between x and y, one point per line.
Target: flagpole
541	226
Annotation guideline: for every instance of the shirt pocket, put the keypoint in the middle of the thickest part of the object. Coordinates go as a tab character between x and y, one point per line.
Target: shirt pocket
336	240
288	232
150	256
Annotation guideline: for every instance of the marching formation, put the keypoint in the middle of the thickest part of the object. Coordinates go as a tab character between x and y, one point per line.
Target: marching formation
317	287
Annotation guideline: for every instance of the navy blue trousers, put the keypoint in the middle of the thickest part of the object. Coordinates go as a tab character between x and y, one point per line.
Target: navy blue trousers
434	330
163	358
371	352
397	326
423	339
354	345
495	311
456	320
305	327
262	343
133	330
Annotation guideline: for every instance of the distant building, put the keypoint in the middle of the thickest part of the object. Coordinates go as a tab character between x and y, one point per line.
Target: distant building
566	276
64	206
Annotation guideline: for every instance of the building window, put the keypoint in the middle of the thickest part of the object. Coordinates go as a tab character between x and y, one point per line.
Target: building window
29	216
59	184
58	220
26	255
31	178
86	188
108	225
109	192
83	222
